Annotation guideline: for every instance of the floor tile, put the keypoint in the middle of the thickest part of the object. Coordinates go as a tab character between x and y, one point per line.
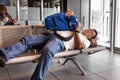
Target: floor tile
111	75
3	74
102	65
71	73
24	72
21	71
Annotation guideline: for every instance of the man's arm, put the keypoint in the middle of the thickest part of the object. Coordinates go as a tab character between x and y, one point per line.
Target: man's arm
78	43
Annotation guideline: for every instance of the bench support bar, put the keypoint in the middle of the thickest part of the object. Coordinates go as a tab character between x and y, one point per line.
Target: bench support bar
75	61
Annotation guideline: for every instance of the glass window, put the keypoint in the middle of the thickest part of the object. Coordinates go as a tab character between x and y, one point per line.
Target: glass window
34	10
117	32
11	8
50	7
31	10
100	19
5	2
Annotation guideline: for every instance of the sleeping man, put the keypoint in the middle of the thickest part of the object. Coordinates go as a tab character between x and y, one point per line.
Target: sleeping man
49	45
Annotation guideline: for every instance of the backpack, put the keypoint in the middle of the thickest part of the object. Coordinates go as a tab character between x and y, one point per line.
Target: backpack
60	22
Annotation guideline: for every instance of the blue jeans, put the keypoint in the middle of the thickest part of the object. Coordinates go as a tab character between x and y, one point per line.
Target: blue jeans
49	45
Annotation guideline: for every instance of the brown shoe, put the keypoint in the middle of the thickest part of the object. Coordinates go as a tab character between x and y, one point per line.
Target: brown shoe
2	59
2	62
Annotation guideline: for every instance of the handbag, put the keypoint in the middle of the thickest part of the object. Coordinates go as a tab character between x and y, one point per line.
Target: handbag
59	21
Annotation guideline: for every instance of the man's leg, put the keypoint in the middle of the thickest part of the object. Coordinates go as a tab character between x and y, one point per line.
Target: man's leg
53	46
26	43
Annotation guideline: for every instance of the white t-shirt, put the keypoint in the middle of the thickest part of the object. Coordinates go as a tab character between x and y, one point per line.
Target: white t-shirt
71	44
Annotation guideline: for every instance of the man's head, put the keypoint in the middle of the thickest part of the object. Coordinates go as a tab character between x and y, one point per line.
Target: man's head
90	33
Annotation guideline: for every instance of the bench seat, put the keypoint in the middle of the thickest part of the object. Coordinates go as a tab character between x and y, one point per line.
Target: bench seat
65	54
33	56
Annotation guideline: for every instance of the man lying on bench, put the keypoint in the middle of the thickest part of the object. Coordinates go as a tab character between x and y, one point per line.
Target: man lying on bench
49	44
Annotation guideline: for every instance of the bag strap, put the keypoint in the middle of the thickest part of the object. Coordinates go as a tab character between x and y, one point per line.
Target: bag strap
64	38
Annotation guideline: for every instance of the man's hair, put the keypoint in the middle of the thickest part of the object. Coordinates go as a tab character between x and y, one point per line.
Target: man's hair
96	33
3	9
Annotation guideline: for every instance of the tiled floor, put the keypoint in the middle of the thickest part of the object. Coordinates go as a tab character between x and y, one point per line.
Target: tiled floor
102	65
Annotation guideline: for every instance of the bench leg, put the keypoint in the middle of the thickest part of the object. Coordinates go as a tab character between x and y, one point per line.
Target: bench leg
8	73
66	60
75	61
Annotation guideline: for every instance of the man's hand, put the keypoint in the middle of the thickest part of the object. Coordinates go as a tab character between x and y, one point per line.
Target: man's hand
14	21
69	13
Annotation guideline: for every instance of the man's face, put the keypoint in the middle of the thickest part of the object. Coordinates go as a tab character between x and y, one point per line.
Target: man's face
89	33
5	19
